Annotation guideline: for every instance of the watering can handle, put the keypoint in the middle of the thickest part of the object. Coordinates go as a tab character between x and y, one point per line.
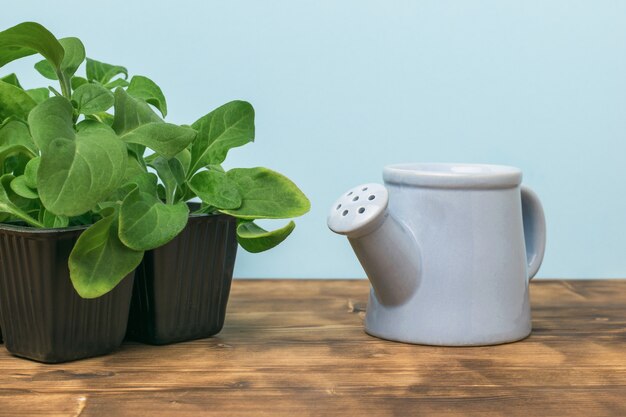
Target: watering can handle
534	230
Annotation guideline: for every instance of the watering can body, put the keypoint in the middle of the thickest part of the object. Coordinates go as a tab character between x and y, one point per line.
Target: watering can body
449	250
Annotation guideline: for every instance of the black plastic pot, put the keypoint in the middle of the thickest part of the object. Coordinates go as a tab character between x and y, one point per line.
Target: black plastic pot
181	289
41	315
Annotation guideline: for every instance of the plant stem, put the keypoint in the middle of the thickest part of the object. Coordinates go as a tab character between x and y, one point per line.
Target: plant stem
66	90
56	93
191	172
29	220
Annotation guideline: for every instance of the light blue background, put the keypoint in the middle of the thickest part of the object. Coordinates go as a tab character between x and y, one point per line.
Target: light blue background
342	88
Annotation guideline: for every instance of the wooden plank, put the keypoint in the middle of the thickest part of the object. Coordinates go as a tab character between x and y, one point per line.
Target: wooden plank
298	348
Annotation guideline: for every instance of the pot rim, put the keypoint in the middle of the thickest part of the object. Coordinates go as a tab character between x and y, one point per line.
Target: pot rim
50	231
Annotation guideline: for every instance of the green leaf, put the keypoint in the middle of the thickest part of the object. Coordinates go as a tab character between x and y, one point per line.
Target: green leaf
103	73
137	151
147	183
8	206
51	220
39	95
15	140
19	187
92	124
146	223
216	189
15	164
74	175
161	192
184	193
164	138
26	39
30	172
50	120
104	117
185	160
267	194
256	239
11	79
131	113
15	132
78	81
99	260
171	172
14	102
8	151
118	82
25	204
176	168
44	68
133	169
74	55
82	220
92	98
146	89
226	127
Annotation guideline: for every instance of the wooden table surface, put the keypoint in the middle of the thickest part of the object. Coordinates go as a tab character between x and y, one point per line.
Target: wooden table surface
297	348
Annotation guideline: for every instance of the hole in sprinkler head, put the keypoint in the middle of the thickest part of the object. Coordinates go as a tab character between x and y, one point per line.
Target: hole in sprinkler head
344	212
339	206
355	198
364	189
361	210
350	193
371	197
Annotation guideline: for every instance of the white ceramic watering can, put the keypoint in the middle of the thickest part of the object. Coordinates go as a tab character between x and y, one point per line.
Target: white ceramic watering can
449	250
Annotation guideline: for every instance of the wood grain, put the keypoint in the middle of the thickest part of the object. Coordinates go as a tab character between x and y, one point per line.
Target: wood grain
297	348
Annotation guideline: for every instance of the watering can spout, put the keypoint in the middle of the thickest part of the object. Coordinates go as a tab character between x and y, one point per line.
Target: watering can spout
385	247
